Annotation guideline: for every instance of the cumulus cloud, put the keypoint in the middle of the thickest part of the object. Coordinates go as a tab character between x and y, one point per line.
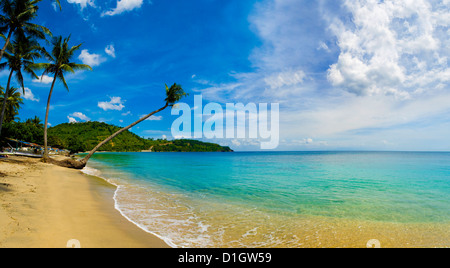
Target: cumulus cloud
124	6
72	120
349	72
115	103
82	3
110	50
153	118
44	79
389	47
90	59
81	116
29	95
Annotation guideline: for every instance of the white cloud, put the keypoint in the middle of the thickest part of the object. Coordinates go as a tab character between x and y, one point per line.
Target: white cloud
236	143
110	50
80	116
349	73
82	3
71	119
90	59
55	6
153	118
389	47
124	6
127	113
323	46
287	78
44	79
29	95
115	103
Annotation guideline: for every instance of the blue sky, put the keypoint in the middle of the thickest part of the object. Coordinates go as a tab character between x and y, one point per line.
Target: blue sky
350	74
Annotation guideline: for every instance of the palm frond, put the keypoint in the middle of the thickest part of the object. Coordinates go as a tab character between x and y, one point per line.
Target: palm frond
66	68
19	78
41	66
61	78
80	67
3	66
72	50
30	70
174	94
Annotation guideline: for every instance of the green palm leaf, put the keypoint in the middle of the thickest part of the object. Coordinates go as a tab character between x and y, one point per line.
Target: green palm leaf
60	63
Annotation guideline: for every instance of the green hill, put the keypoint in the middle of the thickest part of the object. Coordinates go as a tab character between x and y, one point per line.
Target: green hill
81	137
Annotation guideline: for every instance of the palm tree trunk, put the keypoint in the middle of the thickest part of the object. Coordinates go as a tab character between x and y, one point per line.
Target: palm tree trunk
6	44
5	100
46	119
86	159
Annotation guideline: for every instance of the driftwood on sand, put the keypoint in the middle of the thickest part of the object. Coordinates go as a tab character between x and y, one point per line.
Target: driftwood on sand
67	163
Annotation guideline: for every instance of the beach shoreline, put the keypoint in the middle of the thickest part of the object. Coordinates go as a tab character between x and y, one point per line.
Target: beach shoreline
46	206
195	207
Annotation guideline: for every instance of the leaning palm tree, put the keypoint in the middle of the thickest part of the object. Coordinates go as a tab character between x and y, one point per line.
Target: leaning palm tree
173	95
16	20
13	103
20	56
60	63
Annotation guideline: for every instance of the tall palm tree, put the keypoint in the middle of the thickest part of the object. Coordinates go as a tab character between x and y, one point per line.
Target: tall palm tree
13	104
16	20
60	63
173	95
20	57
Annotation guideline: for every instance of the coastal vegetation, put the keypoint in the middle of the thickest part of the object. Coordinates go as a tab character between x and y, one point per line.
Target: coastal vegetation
30	131
173	95
20	47
13	103
22	50
60	63
20	56
81	137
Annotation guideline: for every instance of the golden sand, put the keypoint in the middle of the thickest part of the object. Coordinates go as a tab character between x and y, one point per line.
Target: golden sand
45	206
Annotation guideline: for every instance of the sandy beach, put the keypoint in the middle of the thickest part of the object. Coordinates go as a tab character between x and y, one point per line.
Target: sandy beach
45	206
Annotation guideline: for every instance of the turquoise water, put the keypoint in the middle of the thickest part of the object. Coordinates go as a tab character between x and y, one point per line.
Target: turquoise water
258	199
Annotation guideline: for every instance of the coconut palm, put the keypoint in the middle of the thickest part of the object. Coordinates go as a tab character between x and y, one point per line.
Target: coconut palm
13	103
36	121
173	95
16	20
20	56
60	63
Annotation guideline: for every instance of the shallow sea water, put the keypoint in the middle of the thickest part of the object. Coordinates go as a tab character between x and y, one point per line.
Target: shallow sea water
288	199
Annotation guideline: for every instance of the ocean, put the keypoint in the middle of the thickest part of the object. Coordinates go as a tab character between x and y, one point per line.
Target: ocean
283	199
